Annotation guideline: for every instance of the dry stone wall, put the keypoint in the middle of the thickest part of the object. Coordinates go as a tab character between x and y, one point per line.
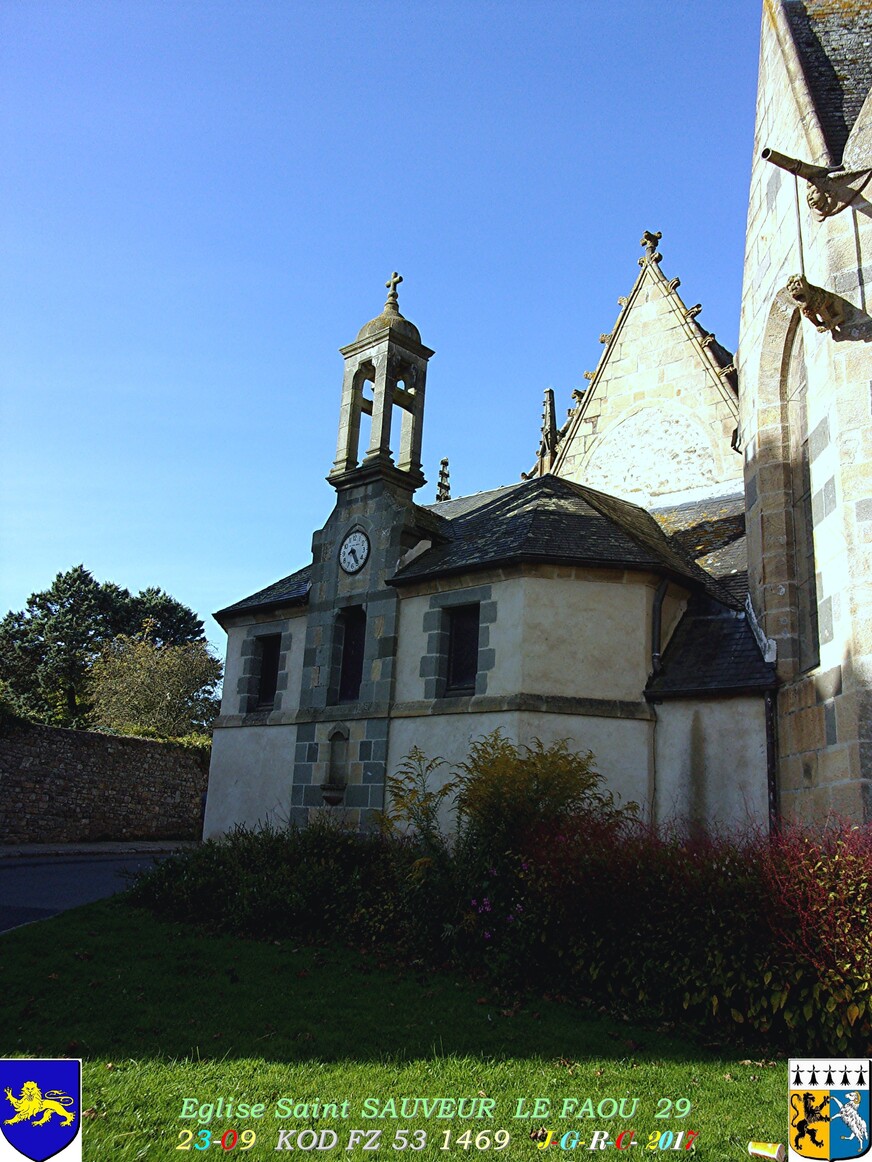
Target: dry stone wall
67	786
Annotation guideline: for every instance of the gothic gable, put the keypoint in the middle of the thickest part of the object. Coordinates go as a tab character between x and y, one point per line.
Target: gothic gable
658	418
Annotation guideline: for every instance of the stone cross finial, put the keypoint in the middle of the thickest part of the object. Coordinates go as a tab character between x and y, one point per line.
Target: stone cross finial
649	241
392	284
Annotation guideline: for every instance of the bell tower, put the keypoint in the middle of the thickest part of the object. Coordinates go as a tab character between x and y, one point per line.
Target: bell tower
385	368
348	678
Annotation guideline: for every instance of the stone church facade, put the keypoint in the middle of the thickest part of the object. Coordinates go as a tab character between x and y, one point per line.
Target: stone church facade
678	584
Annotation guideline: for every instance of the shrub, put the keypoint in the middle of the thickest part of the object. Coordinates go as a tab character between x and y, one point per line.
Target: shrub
271	883
820	885
412	804
733	935
764	937
511	796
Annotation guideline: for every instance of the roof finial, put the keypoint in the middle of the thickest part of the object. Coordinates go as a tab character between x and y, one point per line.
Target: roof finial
392	284
548	445
649	241
443	488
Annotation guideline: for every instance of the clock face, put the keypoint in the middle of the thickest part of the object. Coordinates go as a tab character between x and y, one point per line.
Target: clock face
354	552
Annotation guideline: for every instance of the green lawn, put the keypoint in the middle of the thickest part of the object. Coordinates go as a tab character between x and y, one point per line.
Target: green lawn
162	1014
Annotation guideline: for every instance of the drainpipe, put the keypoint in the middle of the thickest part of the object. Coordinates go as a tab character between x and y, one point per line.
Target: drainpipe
656	622
656	618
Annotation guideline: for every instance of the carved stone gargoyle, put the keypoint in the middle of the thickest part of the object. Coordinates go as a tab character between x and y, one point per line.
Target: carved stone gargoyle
830	190
819	306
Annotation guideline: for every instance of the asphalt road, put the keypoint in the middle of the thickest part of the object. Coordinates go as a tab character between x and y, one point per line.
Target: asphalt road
35	887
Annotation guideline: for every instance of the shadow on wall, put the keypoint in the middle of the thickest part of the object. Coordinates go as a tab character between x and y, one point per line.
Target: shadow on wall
824	713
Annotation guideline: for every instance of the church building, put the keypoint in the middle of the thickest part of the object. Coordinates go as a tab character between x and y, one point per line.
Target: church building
679	583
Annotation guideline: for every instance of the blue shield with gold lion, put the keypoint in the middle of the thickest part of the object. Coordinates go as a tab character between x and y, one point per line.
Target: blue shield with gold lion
40	1110
829	1105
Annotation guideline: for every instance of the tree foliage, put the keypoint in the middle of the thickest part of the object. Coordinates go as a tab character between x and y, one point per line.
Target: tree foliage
48	648
139	685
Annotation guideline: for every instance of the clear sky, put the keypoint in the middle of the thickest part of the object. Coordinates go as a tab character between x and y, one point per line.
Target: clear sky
200	202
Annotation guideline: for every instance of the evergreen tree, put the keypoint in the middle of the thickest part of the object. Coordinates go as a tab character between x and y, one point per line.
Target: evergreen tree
48	648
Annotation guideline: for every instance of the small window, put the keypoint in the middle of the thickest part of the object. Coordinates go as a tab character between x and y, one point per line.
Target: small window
353	629
462	665
268	648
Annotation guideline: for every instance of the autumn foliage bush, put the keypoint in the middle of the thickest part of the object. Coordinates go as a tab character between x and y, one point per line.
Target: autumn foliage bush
762	937
548	885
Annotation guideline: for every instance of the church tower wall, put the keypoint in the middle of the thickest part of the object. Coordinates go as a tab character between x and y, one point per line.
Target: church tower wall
806	426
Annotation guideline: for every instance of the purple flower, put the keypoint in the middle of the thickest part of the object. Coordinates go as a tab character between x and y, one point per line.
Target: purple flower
487	935
474	903
486	904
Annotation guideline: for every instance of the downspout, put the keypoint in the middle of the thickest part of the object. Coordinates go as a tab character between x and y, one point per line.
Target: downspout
772	761
656	619
656	623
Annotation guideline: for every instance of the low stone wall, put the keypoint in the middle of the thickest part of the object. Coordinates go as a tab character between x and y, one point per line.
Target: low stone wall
67	786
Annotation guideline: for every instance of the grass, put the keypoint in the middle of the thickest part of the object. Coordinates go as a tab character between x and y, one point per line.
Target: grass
161	1013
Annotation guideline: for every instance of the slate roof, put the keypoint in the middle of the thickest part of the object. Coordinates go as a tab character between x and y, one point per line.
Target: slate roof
834	42
712	651
464	504
551	520
712	532
292	590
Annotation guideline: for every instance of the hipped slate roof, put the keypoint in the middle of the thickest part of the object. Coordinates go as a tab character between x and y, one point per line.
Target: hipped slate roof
292	590
712	532
712	651
551	520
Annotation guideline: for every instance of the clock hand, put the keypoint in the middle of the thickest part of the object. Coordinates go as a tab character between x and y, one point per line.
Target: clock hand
352	552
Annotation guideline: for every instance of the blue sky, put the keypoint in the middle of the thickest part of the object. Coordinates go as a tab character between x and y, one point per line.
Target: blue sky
200	202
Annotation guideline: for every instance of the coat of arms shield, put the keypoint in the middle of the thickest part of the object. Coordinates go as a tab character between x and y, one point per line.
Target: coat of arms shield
41	1108
828	1108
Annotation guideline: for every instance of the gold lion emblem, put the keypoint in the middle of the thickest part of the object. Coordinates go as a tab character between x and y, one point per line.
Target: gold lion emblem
31	1102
